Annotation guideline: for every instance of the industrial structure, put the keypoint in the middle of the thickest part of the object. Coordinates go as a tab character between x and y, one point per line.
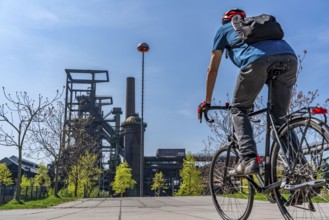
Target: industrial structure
82	102
116	141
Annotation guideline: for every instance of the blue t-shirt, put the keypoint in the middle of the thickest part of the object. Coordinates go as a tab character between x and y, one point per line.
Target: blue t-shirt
243	54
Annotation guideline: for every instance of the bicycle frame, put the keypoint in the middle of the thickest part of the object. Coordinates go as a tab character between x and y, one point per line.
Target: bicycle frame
294	153
266	184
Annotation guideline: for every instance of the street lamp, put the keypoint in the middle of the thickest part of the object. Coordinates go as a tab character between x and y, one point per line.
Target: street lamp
143	48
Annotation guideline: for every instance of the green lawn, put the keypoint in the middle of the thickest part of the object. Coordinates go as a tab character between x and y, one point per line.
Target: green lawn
262	197
39	203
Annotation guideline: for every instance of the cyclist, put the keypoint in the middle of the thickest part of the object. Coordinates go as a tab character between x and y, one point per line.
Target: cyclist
253	61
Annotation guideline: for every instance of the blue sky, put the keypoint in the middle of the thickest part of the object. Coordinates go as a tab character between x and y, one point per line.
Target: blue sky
39	39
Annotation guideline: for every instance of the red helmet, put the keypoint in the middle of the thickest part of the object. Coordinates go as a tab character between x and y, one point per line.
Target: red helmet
229	15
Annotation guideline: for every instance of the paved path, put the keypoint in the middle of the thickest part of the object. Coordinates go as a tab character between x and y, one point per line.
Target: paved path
137	208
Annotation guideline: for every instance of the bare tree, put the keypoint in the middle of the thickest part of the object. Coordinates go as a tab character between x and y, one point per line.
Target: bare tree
299	98
48	142
82	138
47	138
16	117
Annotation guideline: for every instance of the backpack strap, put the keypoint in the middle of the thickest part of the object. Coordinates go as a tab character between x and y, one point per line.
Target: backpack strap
236	24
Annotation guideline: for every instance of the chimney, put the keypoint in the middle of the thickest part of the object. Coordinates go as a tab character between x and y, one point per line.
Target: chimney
130	96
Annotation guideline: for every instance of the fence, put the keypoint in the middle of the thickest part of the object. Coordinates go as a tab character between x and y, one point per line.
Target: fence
7	193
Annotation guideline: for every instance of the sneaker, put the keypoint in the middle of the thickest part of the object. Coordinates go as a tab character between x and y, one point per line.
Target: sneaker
245	168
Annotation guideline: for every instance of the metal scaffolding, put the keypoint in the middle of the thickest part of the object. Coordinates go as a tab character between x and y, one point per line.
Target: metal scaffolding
82	102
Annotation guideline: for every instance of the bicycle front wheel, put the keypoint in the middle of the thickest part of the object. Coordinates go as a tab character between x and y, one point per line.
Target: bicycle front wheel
232	196
301	162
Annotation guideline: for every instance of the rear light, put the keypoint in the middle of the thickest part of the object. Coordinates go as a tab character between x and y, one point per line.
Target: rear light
259	159
319	110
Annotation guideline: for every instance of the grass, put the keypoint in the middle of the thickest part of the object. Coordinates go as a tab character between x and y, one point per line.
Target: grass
39	203
262	197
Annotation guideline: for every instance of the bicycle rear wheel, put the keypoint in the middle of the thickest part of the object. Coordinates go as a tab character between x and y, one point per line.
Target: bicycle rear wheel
302	164
232	196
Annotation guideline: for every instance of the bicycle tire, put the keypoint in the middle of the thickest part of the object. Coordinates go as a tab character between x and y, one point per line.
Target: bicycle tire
303	157
232	196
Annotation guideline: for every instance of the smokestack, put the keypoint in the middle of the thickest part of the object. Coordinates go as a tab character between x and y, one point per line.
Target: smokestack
130	96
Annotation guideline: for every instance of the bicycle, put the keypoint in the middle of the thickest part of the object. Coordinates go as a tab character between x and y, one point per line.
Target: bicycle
295	168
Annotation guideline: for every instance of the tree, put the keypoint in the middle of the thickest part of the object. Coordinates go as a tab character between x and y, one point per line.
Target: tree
123	179
48	141
42	178
83	174
73	178
47	138
25	182
91	172
18	114
5	175
191	178
81	140
159	183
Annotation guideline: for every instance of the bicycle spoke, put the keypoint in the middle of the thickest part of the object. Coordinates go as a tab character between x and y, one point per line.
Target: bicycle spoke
302	162
233	197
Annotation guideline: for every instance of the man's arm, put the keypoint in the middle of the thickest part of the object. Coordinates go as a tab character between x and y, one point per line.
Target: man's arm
215	59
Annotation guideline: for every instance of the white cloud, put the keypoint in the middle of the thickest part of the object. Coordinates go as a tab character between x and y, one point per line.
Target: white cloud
32	15
65	14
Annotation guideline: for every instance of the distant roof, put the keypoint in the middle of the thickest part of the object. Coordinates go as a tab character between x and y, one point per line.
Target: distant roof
26	165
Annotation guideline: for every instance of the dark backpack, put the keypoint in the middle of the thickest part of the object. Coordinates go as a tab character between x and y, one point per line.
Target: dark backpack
258	28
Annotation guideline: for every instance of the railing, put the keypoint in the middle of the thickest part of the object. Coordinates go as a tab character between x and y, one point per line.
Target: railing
7	193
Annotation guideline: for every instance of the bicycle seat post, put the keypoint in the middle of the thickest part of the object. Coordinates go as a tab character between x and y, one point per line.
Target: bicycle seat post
268	131
272	73
269	94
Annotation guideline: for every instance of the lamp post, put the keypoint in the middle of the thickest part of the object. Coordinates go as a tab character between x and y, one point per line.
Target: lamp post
143	48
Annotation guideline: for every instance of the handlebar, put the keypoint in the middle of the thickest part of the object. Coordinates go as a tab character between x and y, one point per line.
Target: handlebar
211	108
305	110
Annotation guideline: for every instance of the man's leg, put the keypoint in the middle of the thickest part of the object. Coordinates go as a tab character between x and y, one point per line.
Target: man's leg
281	96
282	88
249	84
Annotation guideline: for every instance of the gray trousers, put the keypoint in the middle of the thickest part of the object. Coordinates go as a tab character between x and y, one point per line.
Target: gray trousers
249	84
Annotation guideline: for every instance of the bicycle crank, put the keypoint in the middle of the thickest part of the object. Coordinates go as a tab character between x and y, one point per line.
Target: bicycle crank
313	183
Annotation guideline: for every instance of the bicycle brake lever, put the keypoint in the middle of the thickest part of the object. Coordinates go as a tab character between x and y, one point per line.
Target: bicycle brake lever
210	120
207	118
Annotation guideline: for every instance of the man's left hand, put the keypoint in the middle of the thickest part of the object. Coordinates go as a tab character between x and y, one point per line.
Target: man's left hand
202	107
